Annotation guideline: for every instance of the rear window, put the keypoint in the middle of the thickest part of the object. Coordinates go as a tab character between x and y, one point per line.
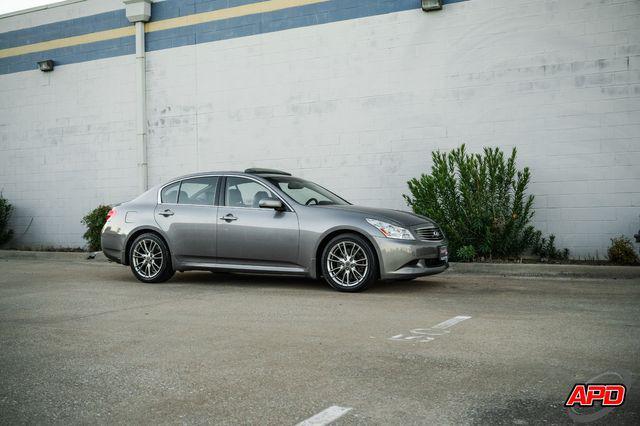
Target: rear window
169	193
198	191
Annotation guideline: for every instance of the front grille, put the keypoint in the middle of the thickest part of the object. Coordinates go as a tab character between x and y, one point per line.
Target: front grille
431	233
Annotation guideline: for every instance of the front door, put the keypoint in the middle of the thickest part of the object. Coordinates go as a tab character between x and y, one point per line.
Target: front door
250	235
187	214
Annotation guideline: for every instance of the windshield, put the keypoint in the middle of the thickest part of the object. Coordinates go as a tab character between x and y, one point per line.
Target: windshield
305	192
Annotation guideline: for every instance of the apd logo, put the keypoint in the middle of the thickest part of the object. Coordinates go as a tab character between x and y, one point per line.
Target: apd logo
585	395
597	397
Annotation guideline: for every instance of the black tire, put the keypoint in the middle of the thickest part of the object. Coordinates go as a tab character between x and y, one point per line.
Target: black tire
150	243
351	265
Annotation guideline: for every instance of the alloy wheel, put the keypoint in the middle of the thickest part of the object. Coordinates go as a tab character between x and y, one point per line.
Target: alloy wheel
347	263
147	258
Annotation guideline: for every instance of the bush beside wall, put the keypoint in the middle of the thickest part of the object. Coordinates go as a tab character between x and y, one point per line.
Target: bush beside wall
479	200
95	220
622	252
5	213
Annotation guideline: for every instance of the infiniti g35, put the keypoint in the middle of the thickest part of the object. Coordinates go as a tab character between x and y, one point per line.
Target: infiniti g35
267	221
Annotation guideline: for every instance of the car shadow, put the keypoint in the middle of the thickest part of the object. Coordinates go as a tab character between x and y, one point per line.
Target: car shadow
289	282
407	287
247	280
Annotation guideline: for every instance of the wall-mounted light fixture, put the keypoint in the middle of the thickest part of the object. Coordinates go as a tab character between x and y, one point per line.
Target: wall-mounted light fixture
429	5
46	66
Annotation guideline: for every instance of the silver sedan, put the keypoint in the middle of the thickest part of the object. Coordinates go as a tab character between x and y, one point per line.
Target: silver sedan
267	221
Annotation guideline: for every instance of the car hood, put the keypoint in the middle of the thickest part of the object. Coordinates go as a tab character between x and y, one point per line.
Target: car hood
397	217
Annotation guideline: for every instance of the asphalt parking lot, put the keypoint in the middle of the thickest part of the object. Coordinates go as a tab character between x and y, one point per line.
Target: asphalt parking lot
83	342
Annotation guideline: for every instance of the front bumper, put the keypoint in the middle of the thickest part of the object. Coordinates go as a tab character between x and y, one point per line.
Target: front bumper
401	259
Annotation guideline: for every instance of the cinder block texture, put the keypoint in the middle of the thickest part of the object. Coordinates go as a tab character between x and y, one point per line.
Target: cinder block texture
359	105
56	13
66	145
356	105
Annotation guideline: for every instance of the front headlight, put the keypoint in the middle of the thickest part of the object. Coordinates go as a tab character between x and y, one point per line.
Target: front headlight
391	231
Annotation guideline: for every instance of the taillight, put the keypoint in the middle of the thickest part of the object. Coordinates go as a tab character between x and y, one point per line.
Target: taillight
111	214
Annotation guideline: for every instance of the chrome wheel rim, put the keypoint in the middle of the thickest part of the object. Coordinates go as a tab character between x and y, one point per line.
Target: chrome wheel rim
147	258
347	263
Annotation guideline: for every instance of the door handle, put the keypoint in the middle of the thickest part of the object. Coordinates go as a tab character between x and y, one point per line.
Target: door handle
229	217
166	213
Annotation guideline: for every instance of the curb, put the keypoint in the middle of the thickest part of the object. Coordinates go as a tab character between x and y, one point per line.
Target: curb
500	269
546	270
52	255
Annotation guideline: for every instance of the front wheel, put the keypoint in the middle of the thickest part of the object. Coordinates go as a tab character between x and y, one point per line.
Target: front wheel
349	263
150	259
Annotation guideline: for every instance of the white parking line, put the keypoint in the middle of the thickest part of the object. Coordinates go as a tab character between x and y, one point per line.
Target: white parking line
325	417
451	322
429	334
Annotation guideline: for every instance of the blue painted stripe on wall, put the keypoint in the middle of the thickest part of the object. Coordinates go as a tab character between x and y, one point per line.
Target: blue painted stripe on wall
117	19
110	20
174	8
70	55
313	14
62	29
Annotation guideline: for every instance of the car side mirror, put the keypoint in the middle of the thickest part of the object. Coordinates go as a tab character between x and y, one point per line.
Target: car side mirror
271	203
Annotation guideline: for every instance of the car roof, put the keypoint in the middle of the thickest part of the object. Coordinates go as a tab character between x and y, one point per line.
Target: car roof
265	174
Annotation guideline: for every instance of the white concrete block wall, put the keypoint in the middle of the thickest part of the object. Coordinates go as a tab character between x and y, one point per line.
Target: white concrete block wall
359	106
55	12
66	146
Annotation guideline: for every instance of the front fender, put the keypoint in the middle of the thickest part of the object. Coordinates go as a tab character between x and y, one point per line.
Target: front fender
341	229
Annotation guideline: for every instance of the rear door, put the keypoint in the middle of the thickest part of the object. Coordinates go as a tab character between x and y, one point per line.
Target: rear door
187	214
250	235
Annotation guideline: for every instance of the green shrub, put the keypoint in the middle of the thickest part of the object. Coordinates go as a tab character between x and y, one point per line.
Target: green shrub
546	248
622	251
5	214
478	200
466	254
94	221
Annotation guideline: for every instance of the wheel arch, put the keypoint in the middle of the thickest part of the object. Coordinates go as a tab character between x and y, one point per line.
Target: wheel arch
133	235
334	233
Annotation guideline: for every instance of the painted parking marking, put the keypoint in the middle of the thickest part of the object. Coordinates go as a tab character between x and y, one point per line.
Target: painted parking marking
326	416
452	321
429	334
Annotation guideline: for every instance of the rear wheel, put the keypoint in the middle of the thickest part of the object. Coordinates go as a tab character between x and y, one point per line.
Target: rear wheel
150	259
349	263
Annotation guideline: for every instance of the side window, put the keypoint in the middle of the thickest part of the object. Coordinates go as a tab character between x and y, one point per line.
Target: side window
199	191
169	193
243	192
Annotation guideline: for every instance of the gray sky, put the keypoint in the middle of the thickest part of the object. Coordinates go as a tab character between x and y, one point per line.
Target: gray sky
7	6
